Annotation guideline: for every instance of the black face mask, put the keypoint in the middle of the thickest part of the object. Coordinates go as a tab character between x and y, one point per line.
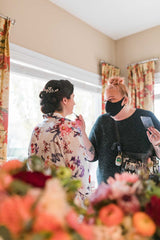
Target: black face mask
114	108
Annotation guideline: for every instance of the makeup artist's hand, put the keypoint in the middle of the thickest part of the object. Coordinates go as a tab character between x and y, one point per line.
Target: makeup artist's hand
153	136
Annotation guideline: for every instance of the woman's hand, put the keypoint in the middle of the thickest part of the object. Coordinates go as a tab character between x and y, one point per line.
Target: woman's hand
81	123
153	136
88	145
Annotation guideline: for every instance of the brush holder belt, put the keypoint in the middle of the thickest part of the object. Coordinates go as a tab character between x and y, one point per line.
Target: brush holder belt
134	162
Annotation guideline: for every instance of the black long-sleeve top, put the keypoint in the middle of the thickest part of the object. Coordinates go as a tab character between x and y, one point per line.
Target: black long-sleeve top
133	138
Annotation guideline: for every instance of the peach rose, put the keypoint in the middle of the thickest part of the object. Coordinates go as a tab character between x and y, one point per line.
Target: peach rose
143	224
111	215
61	235
45	222
5	180
15	212
12	165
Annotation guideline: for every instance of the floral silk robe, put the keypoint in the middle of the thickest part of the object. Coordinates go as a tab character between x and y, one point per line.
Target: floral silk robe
58	140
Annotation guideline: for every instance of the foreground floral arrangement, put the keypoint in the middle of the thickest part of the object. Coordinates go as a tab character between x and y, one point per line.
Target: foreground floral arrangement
127	208
40	205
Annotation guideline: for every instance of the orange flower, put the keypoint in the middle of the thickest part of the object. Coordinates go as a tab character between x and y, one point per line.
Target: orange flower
61	235
5	180
143	224
12	165
45	222
111	215
15	212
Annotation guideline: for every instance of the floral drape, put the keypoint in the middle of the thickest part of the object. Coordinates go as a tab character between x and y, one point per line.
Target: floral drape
141	85
107	71
4	85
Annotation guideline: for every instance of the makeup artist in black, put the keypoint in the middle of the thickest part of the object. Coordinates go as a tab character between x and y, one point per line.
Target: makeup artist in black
119	137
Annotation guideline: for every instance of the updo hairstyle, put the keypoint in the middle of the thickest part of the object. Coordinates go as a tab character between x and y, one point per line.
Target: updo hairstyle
118	82
53	93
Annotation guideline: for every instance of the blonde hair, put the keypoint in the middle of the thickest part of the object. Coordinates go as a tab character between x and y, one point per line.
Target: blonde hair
118	82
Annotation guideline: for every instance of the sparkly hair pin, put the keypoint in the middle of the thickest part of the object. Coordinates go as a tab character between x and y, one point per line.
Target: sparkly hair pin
51	90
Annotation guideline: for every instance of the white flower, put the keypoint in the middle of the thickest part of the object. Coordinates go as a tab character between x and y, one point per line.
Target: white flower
54	201
119	189
108	233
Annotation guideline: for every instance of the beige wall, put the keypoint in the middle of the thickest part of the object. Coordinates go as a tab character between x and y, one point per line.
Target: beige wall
45	28
137	47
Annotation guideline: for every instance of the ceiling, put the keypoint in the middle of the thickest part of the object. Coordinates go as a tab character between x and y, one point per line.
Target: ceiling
115	18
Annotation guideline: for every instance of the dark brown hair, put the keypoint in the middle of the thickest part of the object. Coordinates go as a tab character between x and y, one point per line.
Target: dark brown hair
53	93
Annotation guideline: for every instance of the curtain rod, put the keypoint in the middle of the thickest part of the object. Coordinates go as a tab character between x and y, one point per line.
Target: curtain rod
101	61
149	60
13	21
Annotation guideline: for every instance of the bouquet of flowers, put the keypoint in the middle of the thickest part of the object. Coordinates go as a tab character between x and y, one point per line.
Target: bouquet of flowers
39	205
126	208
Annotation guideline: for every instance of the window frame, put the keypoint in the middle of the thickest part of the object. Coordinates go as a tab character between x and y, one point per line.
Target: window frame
35	64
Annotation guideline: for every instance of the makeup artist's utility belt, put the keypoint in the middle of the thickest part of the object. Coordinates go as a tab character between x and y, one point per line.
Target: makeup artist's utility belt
134	162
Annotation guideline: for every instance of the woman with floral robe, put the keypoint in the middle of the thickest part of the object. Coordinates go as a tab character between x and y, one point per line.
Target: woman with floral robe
60	141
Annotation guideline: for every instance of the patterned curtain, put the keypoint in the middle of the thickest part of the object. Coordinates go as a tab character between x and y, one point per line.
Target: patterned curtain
4	85
141	85
107	71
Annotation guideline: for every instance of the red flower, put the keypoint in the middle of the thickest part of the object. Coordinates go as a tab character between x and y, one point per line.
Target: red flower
153	209
36	179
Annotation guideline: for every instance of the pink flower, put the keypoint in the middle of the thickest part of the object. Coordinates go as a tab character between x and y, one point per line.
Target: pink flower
84	230
12	165
15	212
119	189
129	203
64	129
72	219
101	193
74	124
127	177
78	123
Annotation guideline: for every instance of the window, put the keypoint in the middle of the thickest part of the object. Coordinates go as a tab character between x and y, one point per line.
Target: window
157	95
24	111
27	79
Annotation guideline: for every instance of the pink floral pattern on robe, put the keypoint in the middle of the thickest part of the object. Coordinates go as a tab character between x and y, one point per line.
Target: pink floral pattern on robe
58	140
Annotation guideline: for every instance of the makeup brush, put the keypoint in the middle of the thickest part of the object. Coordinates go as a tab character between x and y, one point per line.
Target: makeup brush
76	115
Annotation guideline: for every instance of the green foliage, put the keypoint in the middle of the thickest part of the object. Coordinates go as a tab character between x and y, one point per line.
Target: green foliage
18	187
35	164
5	233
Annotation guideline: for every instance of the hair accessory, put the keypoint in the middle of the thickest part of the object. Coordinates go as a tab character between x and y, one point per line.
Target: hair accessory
51	90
